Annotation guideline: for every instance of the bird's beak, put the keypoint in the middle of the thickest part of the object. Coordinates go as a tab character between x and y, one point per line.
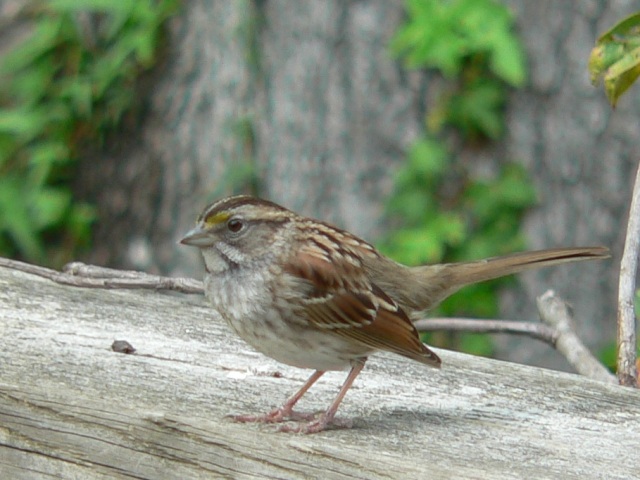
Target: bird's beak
197	237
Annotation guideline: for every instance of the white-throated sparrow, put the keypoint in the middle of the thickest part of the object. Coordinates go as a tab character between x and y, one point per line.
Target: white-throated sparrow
313	296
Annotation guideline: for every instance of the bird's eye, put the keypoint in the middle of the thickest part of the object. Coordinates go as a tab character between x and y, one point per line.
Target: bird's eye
234	225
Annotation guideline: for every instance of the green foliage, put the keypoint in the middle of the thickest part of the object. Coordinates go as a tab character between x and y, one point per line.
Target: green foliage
616	58
609	354
445	34
477	221
471	43
439	210
64	85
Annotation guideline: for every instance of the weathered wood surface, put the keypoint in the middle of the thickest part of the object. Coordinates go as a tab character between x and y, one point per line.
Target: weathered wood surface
72	408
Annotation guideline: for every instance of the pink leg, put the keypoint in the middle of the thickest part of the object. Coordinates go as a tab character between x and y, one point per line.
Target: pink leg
286	410
328	417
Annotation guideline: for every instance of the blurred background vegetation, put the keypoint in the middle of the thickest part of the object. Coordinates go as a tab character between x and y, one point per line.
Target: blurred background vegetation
473	46
67	87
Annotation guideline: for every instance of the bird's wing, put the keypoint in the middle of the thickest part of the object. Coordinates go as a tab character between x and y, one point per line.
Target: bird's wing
338	296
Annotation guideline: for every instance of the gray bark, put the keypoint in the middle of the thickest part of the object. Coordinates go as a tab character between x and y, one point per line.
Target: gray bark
70	407
329	116
582	157
306	94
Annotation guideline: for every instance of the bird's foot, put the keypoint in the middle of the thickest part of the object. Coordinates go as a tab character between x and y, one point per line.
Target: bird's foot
320	424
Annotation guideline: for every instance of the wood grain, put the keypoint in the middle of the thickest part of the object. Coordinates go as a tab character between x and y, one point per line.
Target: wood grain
70	407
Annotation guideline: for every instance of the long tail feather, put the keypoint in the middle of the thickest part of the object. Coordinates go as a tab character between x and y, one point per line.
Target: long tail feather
440	281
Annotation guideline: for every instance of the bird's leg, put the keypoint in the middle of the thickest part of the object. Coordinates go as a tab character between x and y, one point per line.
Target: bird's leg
286	410
328	417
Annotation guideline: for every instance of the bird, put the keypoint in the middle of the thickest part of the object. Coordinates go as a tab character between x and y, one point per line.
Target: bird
314	296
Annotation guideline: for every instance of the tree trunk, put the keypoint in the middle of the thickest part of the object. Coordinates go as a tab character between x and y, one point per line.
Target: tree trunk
299	101
302	94
582	156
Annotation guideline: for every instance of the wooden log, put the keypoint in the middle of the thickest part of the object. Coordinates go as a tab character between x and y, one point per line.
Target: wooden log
70	407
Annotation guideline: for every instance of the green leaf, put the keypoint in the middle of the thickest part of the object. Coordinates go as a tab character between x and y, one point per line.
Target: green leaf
427	243
43	40
609	354
24	122
427	158
49	152
49	206
416	246
123	7
78	92
477	344
508	60
27	88
616	58
621	75
602	57
477	111
514	188
45	156
411	205
628	27
479	300
16	219
443	35
80	218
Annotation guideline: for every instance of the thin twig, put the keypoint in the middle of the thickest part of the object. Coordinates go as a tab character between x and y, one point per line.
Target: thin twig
627	369
557	331
98	277
538	331
555	313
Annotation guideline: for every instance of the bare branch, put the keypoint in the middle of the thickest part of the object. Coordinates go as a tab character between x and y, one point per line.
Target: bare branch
538	331
627	369
88	276
557	331
555	313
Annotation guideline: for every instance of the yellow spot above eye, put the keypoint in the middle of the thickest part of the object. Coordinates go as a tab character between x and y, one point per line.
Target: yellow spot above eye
216	219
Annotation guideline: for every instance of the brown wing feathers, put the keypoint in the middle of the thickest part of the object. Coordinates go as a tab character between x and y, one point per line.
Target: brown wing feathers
393	331
358	310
